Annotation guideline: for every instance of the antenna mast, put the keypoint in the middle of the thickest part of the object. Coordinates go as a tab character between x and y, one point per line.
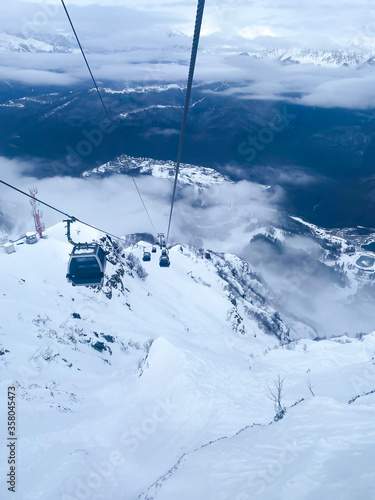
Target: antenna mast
36	213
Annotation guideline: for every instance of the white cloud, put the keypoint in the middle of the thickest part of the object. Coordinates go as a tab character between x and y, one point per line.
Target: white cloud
261	30
358	93
113	204
129	40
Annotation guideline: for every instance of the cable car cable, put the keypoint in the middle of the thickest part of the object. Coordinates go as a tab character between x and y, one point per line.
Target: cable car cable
86	61
193	57
61	212
105	108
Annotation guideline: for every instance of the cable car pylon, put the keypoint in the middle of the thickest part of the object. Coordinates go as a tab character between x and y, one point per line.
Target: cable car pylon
161	239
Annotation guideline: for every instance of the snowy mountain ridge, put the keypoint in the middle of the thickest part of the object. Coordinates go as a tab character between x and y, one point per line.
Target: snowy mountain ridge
355	53
355	56
37	42
189	174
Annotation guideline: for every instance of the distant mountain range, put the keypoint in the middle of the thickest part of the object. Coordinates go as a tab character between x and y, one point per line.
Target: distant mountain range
355	55
37	42
351	57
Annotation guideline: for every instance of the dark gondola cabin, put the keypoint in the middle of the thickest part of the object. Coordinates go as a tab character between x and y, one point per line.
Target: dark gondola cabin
86	265
153	249
164	259
146	256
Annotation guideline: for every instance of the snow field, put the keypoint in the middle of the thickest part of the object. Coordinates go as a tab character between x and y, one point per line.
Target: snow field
103	412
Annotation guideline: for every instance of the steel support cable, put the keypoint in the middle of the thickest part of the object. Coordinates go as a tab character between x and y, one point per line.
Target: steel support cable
60	211
105	109
193	57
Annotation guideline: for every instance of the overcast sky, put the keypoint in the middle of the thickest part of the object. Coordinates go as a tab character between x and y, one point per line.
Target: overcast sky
135	38
300	21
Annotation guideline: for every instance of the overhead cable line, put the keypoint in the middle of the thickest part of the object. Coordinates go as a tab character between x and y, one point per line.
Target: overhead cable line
61	212
105	109
193	57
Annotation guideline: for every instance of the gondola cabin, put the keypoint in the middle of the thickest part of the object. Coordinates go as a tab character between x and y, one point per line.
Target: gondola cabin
164	259
86	265
146	256
153	249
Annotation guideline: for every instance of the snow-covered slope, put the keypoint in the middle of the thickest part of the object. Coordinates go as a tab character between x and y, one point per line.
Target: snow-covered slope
155	387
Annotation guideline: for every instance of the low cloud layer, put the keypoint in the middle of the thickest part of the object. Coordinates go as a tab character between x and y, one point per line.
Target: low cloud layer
307	289
214	215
